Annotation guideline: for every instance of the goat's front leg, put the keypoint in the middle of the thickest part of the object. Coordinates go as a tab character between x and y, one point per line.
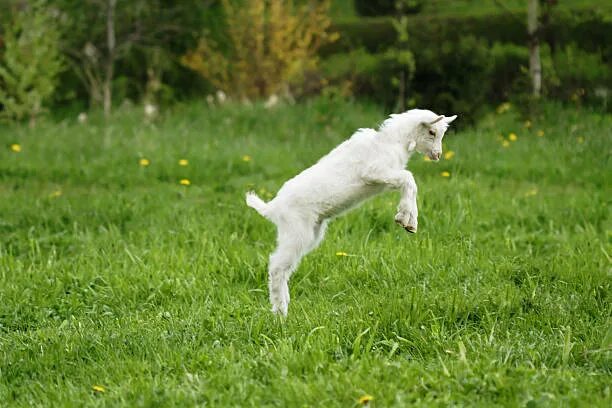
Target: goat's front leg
407	211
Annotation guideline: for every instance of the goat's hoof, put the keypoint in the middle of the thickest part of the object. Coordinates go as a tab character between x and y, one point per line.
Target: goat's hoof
411	229
280	310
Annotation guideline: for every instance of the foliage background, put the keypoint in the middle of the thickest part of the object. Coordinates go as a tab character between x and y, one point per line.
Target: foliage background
486	66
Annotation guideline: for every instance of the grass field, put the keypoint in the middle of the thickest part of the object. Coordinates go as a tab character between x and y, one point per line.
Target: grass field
119	286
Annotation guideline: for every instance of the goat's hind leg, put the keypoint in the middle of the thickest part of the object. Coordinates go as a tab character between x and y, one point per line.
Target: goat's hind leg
294	241
319	233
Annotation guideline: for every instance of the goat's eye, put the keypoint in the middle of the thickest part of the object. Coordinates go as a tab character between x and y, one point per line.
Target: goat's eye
432	132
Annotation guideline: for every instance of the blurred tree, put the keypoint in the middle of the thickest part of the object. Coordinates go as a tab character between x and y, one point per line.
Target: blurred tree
401	52
108	32
31	61
545	21
533	35
535	65
267	45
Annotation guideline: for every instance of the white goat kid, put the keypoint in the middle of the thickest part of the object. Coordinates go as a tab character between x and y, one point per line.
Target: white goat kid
368	163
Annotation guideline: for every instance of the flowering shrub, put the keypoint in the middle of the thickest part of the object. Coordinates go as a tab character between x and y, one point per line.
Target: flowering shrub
270	44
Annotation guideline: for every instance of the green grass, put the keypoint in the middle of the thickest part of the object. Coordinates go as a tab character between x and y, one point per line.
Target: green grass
115	275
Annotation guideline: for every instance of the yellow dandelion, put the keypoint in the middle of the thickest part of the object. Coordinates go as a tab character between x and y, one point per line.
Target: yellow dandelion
246	158
16	147
504	107
527	124
185	182
55	194
425	158
540	133
512	137
505	143
341	254
365	399
144	162
580	139
183	162
445	174
449	155
531	192
98	388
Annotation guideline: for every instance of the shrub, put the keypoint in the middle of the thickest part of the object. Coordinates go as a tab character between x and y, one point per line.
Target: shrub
453	77
460	77
578	76
31	61
510	65
361	73
269	44
372	34
385	7
469	65
375	7
588	29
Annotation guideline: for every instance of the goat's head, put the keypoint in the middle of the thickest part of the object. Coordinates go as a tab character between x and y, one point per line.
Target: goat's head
430	134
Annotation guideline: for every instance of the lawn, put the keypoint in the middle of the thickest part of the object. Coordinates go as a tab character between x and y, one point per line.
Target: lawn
120	286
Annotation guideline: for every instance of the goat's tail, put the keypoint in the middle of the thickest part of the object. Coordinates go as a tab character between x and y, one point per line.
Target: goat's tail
257	203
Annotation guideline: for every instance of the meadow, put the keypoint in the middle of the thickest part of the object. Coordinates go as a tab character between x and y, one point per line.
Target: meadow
133	274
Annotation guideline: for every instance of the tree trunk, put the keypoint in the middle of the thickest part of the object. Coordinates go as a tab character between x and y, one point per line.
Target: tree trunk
401	97
535	67
110	61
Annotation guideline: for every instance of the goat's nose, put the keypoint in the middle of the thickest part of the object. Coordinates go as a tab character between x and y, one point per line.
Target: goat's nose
435	155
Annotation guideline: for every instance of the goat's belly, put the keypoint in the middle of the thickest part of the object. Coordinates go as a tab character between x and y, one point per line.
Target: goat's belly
339	203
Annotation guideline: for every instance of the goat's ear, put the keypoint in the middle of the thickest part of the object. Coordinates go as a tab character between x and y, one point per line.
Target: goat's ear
449	119
436	120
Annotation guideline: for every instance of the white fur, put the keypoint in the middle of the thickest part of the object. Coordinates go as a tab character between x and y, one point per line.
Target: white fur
368	163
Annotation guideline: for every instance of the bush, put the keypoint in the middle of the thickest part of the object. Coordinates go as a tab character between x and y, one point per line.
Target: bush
467	76
375	7
372	34
510	65
588	29
269	45
385	7
453	77
361	73
30	64
578	76
469	65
